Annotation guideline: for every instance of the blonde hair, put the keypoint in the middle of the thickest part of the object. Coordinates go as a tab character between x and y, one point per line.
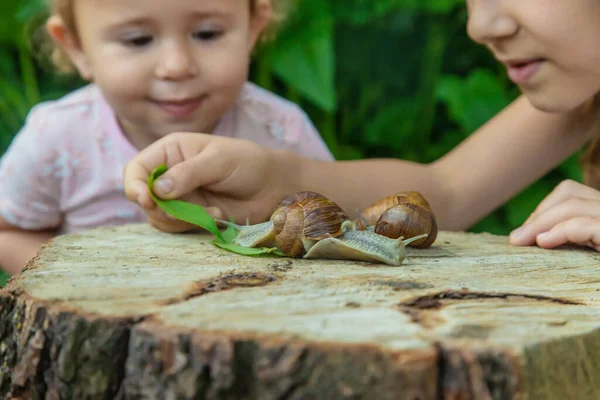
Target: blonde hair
65	10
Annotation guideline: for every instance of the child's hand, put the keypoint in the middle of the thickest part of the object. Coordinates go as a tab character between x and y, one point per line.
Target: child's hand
570	214
230	177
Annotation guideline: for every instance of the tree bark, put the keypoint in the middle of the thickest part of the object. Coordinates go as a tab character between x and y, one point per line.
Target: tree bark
134	313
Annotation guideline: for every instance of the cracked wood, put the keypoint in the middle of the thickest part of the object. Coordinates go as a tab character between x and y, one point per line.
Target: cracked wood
133	313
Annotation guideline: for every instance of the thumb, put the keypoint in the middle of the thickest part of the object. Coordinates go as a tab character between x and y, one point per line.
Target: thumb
163	187
207	168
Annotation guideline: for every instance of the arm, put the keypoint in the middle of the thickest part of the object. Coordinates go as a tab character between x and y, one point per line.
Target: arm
245	180
31	185
505	155
17	246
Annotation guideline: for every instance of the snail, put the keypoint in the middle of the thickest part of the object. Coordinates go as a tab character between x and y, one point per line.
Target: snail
363	245
308	225
298	222
404	214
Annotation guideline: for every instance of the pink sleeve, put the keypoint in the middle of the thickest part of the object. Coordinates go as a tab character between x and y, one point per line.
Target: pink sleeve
309	142
30	180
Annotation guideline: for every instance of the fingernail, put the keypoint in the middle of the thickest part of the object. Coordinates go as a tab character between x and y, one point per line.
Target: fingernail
517	233
164	185
543	236
214	212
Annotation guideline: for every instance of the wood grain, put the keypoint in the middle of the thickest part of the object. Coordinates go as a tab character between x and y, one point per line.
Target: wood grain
134	313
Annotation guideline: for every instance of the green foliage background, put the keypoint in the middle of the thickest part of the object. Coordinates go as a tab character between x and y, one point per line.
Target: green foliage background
379	78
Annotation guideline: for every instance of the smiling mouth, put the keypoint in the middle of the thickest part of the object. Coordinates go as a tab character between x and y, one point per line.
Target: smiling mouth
523	70
180	108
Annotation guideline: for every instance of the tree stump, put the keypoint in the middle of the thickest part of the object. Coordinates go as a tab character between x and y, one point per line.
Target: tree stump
134	313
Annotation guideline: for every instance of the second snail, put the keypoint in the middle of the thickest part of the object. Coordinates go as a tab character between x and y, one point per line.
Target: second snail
309	225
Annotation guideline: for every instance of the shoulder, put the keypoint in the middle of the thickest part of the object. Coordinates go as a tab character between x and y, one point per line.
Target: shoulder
256	99
78	103
268	119
53	122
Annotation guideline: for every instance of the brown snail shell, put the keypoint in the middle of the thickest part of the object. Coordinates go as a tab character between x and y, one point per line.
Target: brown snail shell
299	221
408	220
403	215
292	198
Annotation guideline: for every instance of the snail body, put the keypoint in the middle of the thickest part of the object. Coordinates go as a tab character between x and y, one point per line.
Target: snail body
362	245
308	225
298	222
405	214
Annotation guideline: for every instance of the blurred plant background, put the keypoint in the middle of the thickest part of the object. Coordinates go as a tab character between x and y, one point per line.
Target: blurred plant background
379	78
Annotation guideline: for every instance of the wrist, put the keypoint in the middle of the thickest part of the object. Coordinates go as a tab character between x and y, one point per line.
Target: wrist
291	172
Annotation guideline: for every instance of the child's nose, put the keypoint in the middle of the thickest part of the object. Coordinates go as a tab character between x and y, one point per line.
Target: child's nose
176	62
489	21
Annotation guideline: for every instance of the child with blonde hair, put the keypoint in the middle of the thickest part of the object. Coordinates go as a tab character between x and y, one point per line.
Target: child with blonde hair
154	67
550	50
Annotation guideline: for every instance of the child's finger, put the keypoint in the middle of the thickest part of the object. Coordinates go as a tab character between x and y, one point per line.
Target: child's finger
169	150
563	191
583	231
205	169
546	220
135	177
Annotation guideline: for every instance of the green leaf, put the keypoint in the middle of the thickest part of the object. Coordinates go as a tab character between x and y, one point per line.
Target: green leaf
571	167
521	206
11	29
305	57
433	6
30	9
493	223
395	120
474	100
3	278
182	210
196	214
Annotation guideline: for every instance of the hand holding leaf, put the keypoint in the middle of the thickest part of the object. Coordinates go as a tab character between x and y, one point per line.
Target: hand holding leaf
197	215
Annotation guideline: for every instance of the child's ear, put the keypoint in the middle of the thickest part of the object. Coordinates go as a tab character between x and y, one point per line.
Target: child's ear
69	42
259	20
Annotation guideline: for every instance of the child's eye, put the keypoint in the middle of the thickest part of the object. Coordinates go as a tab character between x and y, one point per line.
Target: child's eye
207	34
138	41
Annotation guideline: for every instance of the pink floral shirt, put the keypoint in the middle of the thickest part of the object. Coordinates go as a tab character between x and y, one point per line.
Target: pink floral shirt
64	169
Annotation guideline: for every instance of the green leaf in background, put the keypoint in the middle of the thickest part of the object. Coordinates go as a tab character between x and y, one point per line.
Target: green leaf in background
305	57
571	167
367	11
521	206
393	125
474	100
3	278
197	215
10	27
433	6
30	9
493	223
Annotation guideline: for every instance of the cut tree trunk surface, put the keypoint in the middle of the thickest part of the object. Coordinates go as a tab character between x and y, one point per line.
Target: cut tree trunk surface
134	313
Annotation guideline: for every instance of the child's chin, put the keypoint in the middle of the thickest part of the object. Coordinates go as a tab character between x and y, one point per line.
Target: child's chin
553	103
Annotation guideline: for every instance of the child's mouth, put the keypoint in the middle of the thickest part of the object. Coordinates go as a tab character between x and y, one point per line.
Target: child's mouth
180	108
521	71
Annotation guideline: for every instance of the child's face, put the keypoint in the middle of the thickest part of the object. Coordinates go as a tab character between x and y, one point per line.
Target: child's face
166	65
550	47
